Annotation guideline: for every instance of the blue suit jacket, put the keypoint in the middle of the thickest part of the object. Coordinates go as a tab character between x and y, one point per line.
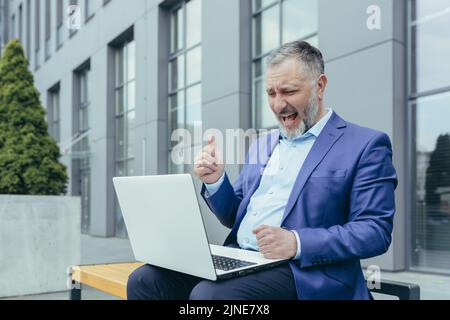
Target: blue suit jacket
342	206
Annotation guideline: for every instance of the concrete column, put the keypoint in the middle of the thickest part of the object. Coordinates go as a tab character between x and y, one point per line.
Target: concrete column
366	70
226	78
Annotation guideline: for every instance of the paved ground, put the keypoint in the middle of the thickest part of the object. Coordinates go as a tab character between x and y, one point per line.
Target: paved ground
101	250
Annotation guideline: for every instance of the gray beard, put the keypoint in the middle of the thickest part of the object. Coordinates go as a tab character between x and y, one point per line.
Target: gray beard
307	122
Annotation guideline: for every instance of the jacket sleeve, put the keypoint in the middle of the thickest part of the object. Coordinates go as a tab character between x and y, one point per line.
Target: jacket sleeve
224	203
371	211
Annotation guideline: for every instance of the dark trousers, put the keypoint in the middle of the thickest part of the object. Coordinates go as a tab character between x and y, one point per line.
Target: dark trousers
155	283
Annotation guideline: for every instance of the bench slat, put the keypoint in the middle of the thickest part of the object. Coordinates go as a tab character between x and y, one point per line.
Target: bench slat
109	278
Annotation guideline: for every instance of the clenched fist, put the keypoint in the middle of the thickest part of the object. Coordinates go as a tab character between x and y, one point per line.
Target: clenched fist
276	243
209	165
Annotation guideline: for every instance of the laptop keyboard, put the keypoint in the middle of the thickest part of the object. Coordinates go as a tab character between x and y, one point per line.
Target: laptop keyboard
226	264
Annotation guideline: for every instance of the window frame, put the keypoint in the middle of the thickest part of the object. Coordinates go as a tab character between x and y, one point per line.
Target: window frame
260	57
173	56
411	180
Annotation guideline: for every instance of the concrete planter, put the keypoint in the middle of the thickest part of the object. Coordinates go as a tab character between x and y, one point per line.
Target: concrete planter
39	238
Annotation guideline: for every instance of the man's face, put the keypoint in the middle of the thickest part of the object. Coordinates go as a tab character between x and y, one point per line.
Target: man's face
292	97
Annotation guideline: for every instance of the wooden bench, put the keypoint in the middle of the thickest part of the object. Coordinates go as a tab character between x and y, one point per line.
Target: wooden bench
109	278
112	279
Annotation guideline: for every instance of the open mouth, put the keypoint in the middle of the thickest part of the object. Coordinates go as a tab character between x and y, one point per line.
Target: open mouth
289	120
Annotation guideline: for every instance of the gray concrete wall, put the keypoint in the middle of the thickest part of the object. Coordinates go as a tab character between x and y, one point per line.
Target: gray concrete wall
40	239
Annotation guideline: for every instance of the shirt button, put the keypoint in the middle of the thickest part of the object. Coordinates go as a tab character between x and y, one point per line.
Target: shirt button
246	240
270	192
281	168
255	213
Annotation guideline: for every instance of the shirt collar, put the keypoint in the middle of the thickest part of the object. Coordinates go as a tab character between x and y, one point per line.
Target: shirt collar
316	129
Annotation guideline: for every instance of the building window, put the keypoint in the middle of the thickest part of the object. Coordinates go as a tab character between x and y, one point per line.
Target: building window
37	30
429	102
20	24
185	90
125	101
53	112
73	30
59	23
89	9
47	29
81	153
13	26
28	29
276	22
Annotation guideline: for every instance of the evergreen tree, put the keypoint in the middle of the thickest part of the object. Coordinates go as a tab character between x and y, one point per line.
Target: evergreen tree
28	155
438	171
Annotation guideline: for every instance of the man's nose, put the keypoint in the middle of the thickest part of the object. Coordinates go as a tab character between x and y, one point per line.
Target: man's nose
279	104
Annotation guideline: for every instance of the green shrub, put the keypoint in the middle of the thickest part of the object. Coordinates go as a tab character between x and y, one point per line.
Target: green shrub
28	155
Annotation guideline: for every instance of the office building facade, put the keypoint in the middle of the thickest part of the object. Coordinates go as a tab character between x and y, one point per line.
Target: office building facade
118	77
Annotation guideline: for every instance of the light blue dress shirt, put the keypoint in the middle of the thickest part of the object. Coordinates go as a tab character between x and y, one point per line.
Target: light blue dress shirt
267	204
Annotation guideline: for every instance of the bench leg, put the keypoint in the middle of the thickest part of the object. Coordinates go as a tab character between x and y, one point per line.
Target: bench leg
75	293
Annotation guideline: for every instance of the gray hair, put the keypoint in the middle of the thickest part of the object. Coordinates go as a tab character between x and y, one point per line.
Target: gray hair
310	57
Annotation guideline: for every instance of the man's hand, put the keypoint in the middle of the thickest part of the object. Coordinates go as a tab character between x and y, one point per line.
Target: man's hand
209	166
276	243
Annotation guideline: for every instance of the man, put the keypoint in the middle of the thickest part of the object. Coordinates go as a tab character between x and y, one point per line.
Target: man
320	194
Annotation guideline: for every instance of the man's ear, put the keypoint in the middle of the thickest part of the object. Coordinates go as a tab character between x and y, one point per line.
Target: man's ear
321	85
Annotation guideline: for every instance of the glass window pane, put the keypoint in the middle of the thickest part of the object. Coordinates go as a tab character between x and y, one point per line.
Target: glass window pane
176	100
176	71
89	7
84	144
84	119
131	60
82	88
119	67
87	75
57	129
175	168
267	35
130	134
259	4
56	106
176	122
176	109
176	28
193	22
430	66
120	100
299	19
260	67
430	9
120	169
193	108
131	95
130	167
431	224
120	138
264	115
193	66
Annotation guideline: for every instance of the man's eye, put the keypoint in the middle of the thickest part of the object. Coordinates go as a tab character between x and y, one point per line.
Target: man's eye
290	93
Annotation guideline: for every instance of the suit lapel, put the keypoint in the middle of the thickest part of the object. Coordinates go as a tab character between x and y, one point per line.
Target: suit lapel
326	139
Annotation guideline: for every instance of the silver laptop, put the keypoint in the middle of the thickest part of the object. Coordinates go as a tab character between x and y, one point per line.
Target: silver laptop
165	227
